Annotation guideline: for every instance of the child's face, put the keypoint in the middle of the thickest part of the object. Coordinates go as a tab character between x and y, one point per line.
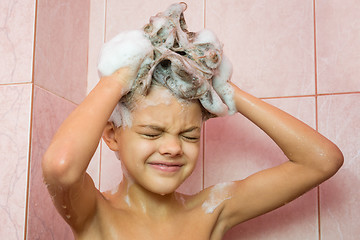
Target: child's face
160	149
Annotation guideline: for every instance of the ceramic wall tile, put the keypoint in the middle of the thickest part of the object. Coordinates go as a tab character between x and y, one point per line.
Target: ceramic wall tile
96	40
94	167
15	109
297	219
339	119
235	148
111	172
338	45
252	144
270	43
43	220
130	15
16	40
62	36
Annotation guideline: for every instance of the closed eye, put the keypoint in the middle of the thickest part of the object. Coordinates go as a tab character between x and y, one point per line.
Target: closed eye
191	139
151	136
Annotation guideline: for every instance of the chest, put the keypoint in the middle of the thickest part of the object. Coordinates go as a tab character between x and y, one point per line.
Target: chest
117	224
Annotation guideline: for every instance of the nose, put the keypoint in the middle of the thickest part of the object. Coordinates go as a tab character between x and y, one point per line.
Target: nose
171	146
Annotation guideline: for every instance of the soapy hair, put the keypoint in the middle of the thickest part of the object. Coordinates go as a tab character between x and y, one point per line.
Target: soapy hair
121	116
190	64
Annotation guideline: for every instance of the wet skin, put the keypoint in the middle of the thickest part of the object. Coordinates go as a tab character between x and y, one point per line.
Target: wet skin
159	151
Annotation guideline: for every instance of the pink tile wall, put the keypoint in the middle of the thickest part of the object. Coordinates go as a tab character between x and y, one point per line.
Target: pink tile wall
235	148
338	45
15	109
60	73
129	15
43	220
60	62
338	37
62	35
17	41
339	120
16	56
96	39
271	44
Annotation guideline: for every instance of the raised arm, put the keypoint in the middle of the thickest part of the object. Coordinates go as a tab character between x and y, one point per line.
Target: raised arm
65	161
312	160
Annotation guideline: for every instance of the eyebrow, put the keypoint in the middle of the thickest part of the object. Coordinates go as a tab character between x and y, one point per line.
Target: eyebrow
153	127
191	129
157	128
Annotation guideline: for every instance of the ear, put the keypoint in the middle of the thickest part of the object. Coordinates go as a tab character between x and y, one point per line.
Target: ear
109	136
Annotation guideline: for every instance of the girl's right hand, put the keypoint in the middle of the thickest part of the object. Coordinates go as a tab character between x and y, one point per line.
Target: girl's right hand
122	57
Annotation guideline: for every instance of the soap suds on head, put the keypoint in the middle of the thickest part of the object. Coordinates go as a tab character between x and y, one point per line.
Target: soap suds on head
125	49
191	64
121	116
218	194
162	97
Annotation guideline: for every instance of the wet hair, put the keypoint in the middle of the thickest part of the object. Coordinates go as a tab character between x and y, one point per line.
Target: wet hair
127	105
190	64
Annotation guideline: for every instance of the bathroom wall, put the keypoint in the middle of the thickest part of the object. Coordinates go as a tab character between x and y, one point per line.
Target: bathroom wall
16	59
300	55
60	83
43	49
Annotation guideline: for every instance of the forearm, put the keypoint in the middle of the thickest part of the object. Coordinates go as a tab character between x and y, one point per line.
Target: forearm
299	142
76	140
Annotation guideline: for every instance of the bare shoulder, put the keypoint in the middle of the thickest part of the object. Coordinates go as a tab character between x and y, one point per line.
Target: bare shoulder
107	216
209	204
211	199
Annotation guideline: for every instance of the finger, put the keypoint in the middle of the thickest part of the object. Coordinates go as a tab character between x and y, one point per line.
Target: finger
221	85
212	102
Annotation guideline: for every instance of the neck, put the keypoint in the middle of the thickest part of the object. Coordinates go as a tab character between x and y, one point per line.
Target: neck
154	205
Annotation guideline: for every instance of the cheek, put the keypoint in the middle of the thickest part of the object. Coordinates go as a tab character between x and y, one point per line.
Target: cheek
135	149
143	148
192	151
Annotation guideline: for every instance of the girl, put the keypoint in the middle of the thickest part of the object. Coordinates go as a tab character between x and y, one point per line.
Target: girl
158	141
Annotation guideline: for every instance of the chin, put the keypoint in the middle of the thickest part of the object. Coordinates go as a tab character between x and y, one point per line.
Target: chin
163	188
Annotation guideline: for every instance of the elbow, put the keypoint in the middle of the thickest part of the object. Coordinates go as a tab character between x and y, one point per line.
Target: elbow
338	160
332	161
56	169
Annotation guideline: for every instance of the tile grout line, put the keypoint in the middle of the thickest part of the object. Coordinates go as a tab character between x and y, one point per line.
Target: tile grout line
27	197
105	12
56	94
204	127
311	95
15	83
99	165
101	150
88	51
339	93
316	112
